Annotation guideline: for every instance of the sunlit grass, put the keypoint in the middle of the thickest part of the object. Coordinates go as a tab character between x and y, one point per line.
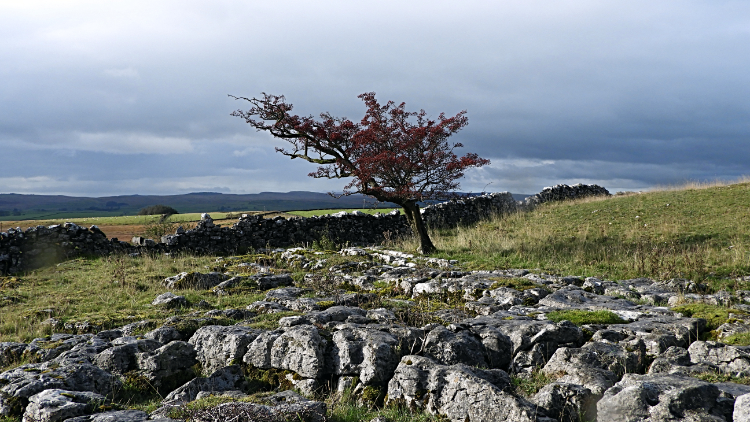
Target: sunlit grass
697	233
107	292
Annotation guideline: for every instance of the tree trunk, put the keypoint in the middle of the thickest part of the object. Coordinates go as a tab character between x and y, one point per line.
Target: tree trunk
411	209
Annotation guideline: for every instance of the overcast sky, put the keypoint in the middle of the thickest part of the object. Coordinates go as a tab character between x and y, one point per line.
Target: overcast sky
130	97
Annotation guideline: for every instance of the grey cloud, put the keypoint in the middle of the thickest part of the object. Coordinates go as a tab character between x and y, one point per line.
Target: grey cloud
633	94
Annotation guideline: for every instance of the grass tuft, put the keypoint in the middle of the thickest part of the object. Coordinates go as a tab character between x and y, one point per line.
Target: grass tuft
581	317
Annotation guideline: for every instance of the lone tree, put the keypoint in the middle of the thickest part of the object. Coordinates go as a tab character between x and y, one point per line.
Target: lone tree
392	154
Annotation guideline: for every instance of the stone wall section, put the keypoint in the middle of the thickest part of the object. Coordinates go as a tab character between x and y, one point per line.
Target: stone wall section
22	250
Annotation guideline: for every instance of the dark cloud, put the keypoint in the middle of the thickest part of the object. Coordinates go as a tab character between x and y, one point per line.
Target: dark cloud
109	98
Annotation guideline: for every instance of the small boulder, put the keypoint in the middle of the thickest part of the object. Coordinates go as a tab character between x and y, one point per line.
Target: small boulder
299	348
168	366
229	378
170	300
218	346
58	405
660	398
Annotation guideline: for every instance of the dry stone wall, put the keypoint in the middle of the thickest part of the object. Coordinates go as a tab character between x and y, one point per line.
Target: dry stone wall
22	250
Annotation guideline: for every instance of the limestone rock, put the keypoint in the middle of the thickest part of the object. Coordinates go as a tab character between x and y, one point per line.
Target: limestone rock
224	379
219	346
572	297
729	359
168	366
335	313
370	354
197	281
164	334
19	384
566	402
55	405
742	408
170	300
47	348
660	397
272	281
301	410
300	349
118	416
449	348
121	358
457	392
10	352
596	366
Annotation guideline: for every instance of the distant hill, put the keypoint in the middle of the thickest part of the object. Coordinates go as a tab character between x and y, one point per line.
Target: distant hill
27	207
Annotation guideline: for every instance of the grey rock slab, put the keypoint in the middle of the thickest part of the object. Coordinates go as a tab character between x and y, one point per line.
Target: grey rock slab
272	281
671	358
197	281
300	349
303	411
224	379
11	352
335	313
170	300
504	297
742	409
55	405
285	294
729	359
164	334
121	359
218	346
114	416
567	402
381	315
449	347
370	354
235	394
525	333
168	366
661	333
497	346
266	307
19	384
456	392
48	348
596	366
572	297
661	397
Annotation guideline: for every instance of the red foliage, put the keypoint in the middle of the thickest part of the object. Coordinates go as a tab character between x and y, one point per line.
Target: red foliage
392	154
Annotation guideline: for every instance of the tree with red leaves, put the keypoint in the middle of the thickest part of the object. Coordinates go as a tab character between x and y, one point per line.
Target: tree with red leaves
392	155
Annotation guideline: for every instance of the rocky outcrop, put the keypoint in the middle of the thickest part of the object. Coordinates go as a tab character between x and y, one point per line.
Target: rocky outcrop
168	366
56	405
300	349
18	385
459	392
648	365
229	378
218	346
660	398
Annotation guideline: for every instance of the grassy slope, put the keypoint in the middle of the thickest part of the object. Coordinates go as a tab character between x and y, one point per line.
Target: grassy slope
699	233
